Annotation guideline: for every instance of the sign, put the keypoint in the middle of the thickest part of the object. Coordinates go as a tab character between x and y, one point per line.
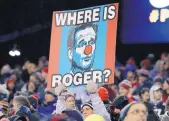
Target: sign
82	46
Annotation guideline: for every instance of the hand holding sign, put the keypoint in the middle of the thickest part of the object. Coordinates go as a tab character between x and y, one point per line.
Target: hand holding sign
61	87
91	87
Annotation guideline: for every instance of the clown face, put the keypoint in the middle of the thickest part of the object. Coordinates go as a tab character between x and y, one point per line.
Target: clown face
84	49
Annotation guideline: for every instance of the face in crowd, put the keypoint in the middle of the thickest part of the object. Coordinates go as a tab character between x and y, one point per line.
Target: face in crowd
123	91
87	111
137	112
70	102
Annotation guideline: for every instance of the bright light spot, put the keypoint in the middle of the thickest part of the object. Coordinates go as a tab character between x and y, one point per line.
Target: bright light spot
159	3
12	53
17	53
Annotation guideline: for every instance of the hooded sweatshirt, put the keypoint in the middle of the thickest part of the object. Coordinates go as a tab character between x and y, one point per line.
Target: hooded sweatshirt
158	106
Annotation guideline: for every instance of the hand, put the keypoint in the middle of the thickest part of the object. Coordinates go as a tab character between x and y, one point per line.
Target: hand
91	87
60	89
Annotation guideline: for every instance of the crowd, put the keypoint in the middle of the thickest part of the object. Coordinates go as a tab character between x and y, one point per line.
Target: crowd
139	93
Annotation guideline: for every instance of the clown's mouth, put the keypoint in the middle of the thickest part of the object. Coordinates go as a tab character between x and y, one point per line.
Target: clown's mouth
86	59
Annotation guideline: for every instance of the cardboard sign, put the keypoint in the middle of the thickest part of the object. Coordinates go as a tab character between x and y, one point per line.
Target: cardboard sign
83	46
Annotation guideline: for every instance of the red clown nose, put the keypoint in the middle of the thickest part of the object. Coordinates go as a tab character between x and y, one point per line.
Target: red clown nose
88	49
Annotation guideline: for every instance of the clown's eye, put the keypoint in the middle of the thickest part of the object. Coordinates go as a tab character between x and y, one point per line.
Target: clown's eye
91	42
81	45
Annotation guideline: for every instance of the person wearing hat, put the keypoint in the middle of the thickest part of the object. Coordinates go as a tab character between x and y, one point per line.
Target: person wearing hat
47	107
156	99
135	111
65	100
34	101
96	101
87	109
143	81
22	105
125	89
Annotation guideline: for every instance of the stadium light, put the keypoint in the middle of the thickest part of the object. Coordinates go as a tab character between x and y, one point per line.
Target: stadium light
14	52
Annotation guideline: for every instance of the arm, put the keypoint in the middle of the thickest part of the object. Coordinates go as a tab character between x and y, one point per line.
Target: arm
60	105
99	107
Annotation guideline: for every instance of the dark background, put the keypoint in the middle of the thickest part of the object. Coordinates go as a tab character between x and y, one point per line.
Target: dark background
27	23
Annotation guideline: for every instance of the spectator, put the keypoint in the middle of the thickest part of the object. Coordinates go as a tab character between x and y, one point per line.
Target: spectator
118	104
134	112
18	82
87	109
4	93
144	95
111	92
158	80
31	68
25	74
143	80
33	99
32	87
95	99
145	98
5	73
43	62
158	69
11	88
118	76
156	99
125	89
48	106
21	104
146	64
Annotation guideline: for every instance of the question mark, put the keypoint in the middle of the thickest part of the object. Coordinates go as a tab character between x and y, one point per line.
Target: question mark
106	73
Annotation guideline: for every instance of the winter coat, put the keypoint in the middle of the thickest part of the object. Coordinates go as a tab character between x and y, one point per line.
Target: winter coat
152	116
31	114
98	106
35	115
47	109
158	107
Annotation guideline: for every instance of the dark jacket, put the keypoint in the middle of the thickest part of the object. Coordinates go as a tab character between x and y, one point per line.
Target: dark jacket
24	112
47	109
152	116
159	108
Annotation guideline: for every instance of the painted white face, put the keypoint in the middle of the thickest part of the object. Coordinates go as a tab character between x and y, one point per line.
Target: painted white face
83	52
